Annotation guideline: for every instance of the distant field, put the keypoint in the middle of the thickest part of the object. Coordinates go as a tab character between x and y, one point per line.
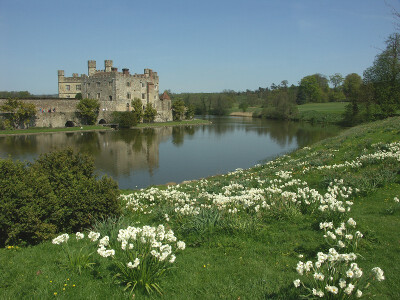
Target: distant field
331	107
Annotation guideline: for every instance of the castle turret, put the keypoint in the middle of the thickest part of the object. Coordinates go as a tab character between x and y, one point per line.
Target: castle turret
108	65
91	67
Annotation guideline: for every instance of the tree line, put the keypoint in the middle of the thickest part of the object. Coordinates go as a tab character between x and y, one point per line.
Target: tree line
371	97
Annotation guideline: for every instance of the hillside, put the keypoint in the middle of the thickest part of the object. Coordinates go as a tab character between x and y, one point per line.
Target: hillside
245	232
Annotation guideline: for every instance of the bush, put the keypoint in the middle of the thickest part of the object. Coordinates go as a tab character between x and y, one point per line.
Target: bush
59	192
125	119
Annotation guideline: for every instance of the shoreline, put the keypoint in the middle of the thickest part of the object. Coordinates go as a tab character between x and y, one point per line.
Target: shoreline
102	128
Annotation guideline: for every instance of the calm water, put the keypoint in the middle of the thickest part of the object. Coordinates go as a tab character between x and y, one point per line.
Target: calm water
141	157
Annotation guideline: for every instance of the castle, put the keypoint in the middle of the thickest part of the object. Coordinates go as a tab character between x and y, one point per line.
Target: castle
116	90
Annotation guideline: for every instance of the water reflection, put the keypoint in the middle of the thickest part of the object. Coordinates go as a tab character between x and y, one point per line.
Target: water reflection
141	157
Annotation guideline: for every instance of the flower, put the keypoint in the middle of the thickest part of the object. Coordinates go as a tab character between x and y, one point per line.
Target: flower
93	236
79	236
134	265
332	289
61	239
358	294
297	283
349	289
378	273
181	245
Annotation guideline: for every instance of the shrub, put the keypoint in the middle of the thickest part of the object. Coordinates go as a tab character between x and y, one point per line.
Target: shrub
58	192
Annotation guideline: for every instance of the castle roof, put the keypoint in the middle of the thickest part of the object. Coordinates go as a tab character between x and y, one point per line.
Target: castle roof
165	96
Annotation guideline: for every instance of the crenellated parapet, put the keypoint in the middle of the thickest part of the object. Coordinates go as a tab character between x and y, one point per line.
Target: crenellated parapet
119	88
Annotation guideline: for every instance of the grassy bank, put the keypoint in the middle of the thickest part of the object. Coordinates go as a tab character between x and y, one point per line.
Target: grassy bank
36	130
331	112
174	123
246	231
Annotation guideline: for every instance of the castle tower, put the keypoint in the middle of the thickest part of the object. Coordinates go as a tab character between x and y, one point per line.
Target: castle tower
108	65
91	67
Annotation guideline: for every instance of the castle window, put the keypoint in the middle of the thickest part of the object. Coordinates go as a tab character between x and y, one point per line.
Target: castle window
143	96
78	87
128	96
68	87
98	95
110	83
128	83
98	84
110	97
142	84
88	85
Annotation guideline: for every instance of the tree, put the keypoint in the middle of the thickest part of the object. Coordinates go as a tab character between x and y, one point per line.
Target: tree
149	113
18	113
137	109
243	106
178	110
88	110
352	88
312	88
78	96
190	110
384	75
336	80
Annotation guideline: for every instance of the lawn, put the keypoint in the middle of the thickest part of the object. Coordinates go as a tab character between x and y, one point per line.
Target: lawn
245	232
329	107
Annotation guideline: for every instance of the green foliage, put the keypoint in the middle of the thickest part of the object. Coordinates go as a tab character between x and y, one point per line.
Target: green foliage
243	106
78	96
384	76
125	119
15	94
149	113
88	110
137	109
58	192
18	113
280	106
190	112
178	110
313	88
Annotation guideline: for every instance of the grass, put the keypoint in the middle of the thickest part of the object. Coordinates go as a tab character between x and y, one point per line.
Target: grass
173	123
246	255
34	130
329	107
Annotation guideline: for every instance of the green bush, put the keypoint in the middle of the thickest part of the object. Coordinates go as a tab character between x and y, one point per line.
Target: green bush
59	192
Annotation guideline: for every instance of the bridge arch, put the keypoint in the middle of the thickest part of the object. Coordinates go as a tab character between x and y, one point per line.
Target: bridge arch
70	124
102	121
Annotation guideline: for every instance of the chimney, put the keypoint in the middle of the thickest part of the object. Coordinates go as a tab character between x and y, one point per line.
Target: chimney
125	71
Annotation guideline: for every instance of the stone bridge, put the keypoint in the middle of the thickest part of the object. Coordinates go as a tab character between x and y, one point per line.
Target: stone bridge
62	112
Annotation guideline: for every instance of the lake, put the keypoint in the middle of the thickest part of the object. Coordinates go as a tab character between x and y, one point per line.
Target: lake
139	158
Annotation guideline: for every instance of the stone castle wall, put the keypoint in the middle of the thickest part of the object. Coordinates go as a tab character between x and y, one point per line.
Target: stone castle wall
64	110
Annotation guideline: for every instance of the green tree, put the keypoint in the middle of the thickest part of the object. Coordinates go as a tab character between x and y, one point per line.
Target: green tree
190	110
18	113
149	113
137	109
313	88
336	80
178	110
78	96
88	110
384	75
352	88
243	106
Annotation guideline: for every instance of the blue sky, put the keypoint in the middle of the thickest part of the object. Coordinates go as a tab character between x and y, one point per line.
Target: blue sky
194	45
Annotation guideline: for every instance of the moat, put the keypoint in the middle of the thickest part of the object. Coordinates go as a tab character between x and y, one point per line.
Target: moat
138	158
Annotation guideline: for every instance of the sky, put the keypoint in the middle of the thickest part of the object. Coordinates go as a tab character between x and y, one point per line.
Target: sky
194	45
